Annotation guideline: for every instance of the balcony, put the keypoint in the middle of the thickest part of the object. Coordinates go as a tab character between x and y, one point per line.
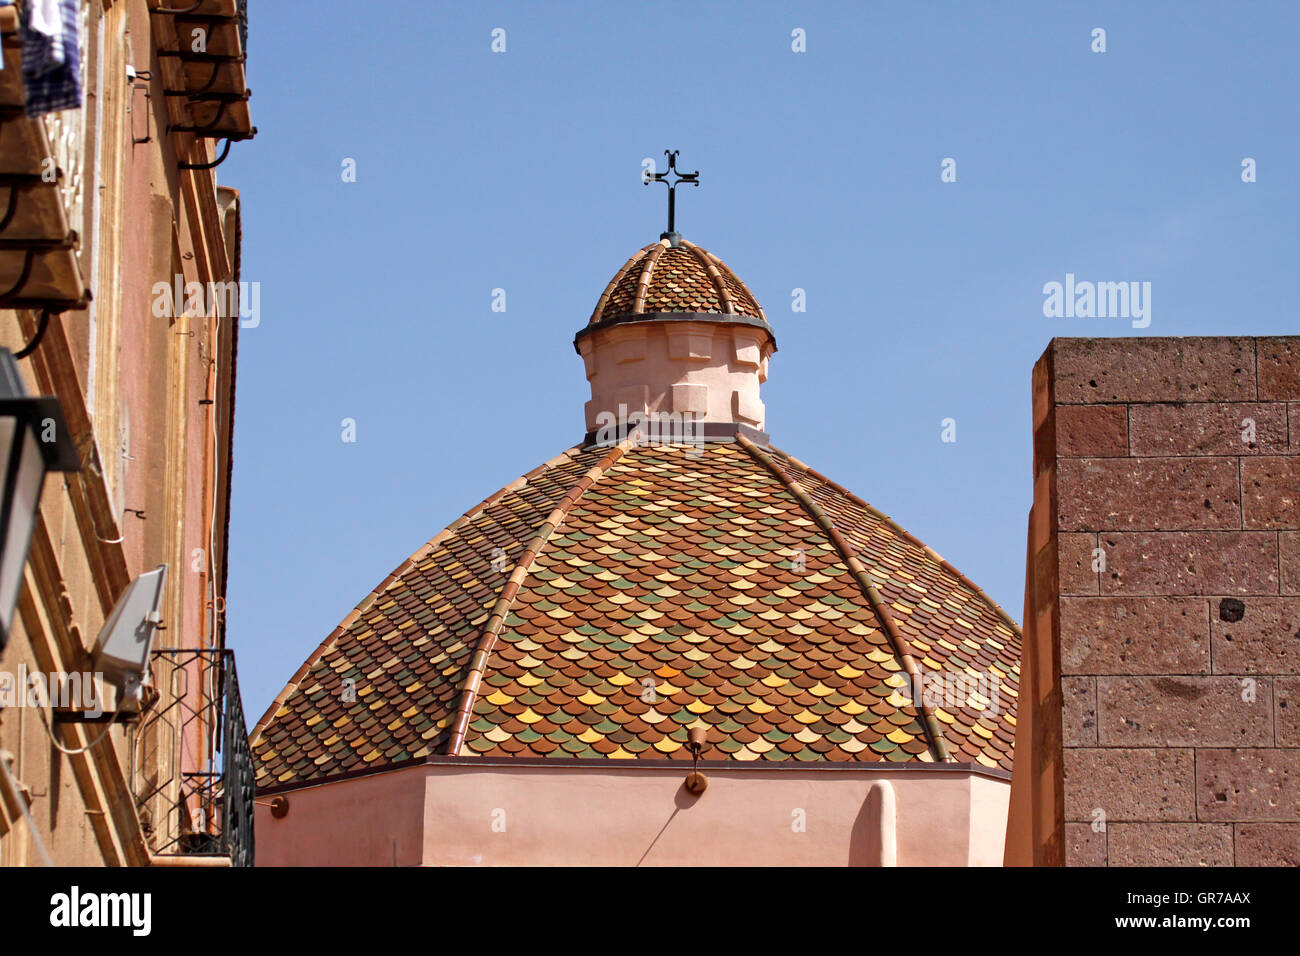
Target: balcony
191	769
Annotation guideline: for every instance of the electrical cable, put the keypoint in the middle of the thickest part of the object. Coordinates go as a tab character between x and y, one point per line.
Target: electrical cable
70	751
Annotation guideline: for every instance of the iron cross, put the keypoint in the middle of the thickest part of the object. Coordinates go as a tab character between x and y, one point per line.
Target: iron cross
692	178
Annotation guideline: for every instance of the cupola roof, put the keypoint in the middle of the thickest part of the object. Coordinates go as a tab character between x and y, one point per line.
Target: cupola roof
606	601
668	278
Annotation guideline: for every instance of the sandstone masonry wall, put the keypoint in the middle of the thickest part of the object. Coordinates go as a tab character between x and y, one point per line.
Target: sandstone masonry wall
1160	710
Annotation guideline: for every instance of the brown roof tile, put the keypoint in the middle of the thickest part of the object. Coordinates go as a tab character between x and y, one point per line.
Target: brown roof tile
634	617
684	278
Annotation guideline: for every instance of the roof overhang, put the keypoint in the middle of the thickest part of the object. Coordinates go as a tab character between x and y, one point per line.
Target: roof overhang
38	260
201	46
718	318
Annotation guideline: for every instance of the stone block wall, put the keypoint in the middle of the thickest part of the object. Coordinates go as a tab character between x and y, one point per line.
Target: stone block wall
1160	708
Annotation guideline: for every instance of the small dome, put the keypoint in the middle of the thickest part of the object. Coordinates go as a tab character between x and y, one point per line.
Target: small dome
664	277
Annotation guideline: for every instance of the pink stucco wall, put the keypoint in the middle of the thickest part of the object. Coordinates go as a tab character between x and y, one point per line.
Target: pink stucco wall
709	370
486	813
369	821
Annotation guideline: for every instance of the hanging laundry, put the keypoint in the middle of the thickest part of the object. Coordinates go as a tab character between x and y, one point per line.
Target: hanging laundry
5	3
51	56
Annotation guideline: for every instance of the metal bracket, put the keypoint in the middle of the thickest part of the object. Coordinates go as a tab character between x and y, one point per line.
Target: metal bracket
170	11
225	151
148	112
30	347
64	715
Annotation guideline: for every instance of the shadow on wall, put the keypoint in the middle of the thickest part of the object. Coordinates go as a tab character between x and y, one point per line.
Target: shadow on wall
873	840
682	800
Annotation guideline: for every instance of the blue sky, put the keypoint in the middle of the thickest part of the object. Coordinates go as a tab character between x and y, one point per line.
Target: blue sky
819	170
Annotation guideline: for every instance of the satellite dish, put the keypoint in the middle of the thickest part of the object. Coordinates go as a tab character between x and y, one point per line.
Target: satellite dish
126	639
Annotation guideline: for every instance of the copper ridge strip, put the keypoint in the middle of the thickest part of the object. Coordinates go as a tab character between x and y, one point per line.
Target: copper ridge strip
726	270
647	267
613	284
898	529
364	604
902	650
704	259
488	636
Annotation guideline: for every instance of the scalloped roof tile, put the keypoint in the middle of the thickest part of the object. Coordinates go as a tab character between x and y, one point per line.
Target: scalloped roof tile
666	278
609	599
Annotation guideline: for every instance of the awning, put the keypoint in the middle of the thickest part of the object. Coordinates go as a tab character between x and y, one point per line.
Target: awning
201	47
38	262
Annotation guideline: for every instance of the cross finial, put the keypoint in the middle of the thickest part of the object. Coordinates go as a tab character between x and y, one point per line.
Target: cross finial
693	178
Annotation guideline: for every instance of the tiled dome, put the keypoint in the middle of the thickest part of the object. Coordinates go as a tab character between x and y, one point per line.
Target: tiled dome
604	602
667	278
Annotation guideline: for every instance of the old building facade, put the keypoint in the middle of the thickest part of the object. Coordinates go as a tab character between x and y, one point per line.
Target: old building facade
122	266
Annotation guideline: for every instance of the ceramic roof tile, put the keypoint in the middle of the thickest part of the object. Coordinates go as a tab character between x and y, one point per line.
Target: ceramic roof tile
361	668
683	278
680	586
971	636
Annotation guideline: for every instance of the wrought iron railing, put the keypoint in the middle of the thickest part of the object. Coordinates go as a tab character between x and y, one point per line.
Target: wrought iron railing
192	771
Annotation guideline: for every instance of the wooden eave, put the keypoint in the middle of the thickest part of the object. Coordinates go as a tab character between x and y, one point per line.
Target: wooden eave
38	260
207	88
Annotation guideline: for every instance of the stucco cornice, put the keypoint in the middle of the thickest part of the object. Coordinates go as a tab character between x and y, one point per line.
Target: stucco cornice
654	766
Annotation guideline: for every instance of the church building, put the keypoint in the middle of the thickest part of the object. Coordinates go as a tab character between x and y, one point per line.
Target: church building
672	644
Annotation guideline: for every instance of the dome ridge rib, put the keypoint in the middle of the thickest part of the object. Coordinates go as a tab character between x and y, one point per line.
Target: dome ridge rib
613	283
894	526
364	604
432	621
704	259
647	269
938	747
505	600
692	281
